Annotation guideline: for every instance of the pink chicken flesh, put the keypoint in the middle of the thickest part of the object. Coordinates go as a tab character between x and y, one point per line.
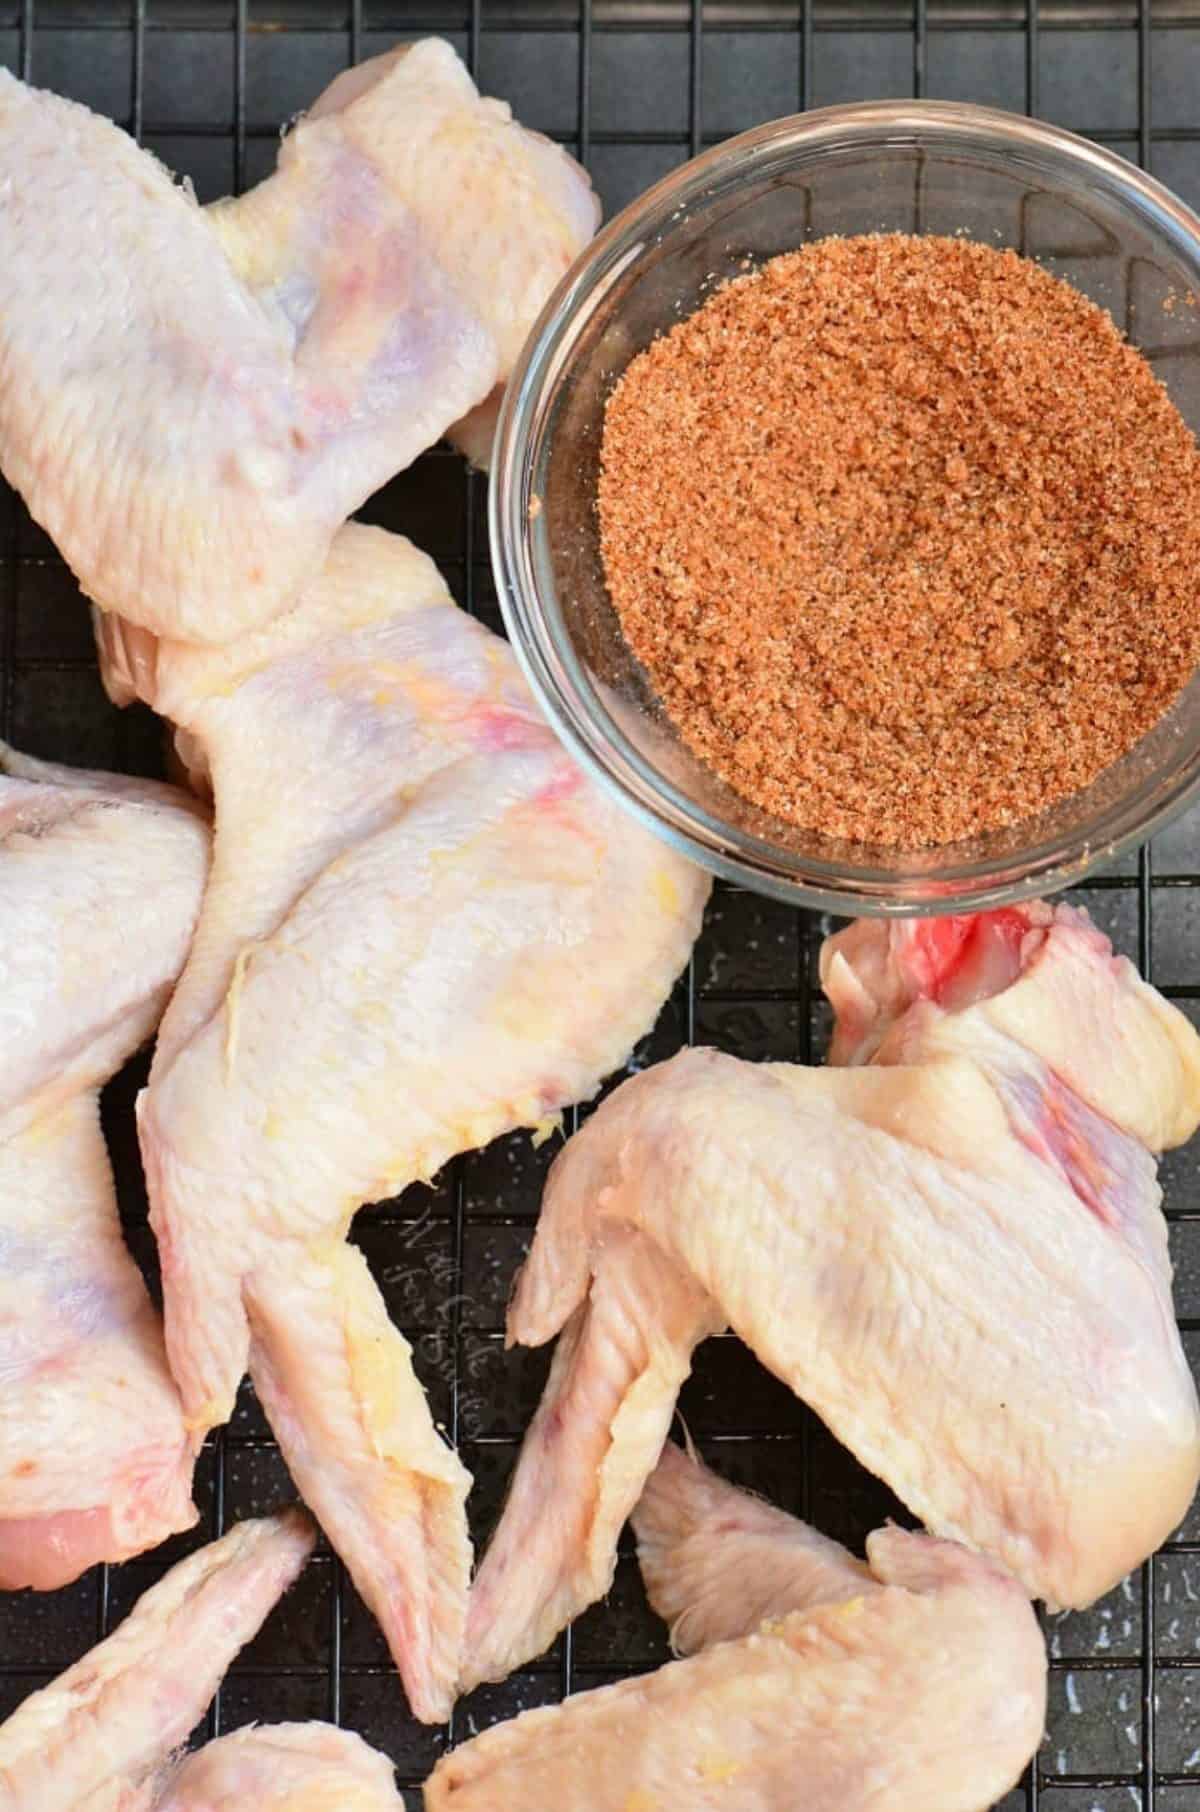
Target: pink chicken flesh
916	1683
418	935
100	885
192	402
954	1253
103	1737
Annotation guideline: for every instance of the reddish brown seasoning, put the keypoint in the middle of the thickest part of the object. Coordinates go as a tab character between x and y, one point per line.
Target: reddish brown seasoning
906	536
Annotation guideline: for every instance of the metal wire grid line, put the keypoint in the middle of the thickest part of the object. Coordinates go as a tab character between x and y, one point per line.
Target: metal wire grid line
632	86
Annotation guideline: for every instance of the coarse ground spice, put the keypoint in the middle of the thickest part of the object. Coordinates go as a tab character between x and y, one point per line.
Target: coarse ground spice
905	534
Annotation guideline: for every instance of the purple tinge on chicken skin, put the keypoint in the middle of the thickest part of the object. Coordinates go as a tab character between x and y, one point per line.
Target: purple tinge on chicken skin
101	878
192	401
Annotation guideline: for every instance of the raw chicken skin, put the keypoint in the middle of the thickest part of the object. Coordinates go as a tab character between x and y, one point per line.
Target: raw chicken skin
1043	977
915	1685
98	1739
191	402
424	928
100	885
718	1562
952	1257
619	1365
284	1768
106	1736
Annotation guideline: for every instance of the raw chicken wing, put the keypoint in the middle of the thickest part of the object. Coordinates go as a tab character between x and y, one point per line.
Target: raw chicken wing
100	1738
193	402
955	1255
283	1768
916	1684
100	885
424	928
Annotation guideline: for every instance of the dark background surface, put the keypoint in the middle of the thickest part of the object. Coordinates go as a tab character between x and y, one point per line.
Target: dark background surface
633	87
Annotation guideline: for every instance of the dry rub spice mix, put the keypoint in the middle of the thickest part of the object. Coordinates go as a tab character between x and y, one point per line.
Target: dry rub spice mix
905	534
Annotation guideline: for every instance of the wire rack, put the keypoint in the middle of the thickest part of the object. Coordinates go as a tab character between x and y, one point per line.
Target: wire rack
633	87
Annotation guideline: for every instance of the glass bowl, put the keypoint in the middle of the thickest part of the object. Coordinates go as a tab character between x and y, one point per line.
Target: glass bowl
908	166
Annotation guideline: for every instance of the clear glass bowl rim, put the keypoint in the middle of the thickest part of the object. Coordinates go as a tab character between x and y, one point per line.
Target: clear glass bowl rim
549	661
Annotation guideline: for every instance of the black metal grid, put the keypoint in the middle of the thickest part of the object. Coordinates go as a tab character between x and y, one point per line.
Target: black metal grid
633	86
